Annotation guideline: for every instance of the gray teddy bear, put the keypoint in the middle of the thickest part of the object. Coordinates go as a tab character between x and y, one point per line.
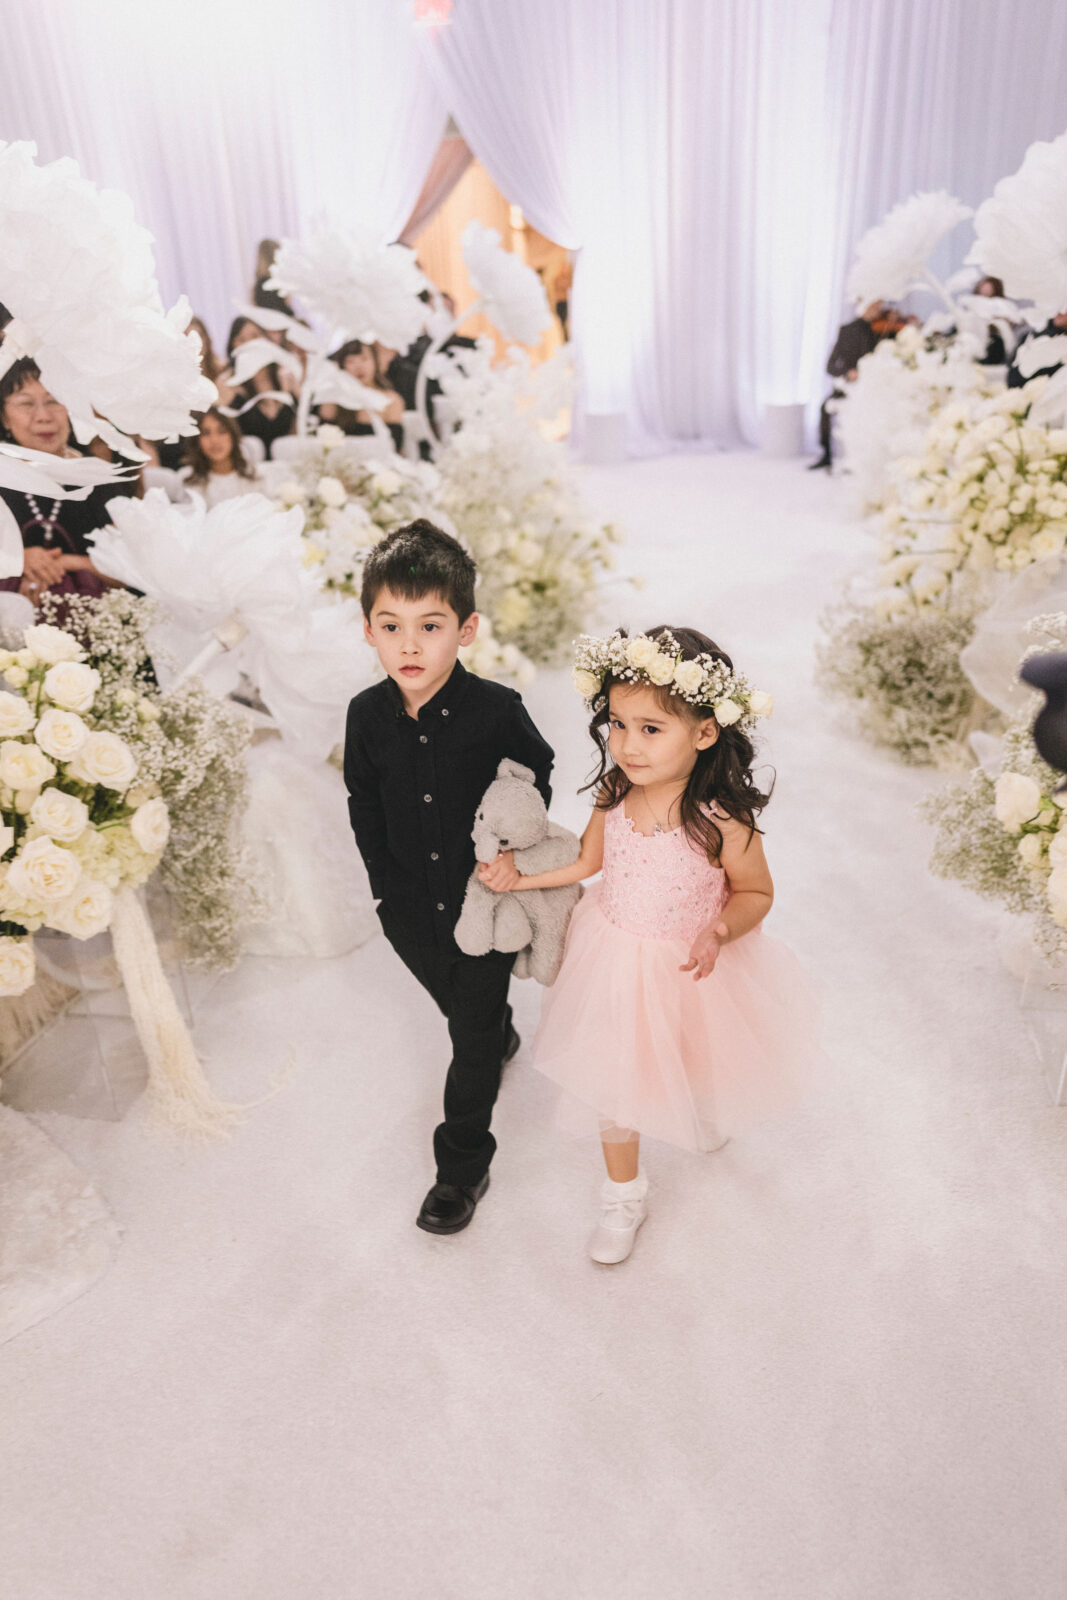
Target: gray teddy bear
512	816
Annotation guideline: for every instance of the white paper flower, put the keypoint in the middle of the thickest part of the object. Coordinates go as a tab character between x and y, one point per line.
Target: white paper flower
727	712
1017	800
60	733
513	297
85	913
72	685
1021	230
16	715
78	276
23	766
18	969
43	872
358	286
52	644
892	256
104	759
150	826
62	816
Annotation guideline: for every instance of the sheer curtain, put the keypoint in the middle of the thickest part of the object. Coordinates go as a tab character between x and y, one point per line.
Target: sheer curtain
226	123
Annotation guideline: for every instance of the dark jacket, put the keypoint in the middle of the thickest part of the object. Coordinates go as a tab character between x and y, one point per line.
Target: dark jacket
854	341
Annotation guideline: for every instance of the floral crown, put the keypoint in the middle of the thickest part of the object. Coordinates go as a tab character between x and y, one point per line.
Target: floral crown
703	680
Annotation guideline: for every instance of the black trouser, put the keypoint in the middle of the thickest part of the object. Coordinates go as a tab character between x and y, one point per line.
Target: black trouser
472	992
826	423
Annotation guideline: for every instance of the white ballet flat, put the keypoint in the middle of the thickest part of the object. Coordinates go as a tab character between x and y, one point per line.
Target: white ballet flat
623	1209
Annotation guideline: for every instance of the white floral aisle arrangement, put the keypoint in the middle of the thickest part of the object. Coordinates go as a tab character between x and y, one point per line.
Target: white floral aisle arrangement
1005	835
104	781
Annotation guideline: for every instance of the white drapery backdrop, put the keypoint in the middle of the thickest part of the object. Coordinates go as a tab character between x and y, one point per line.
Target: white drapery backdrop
712	161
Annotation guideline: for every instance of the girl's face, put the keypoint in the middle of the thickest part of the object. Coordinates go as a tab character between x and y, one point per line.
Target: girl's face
216	443
360	365
651	744
36	421
245	333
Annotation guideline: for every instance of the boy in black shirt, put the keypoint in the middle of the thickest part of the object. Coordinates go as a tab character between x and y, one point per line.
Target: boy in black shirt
420	751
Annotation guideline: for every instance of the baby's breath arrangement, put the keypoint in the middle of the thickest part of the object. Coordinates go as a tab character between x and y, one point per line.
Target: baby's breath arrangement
1006	838
903	679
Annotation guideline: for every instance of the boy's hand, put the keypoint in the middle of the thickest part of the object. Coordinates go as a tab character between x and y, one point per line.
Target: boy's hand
500	875
705	952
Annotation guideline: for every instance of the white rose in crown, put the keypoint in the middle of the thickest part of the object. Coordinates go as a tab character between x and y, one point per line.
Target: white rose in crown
72	685
661	669
760	704
586	683
52	645
689	675
16	715
386	483
332	492
727	712
44	872
105	759
150	826
61	816
641	653
1017	799
18	969
85	913
60	733
23	766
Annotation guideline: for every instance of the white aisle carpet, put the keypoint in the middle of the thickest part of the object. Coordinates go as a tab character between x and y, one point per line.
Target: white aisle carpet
834	1367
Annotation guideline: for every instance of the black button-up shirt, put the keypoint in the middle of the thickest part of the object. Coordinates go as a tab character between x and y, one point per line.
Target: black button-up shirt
415	784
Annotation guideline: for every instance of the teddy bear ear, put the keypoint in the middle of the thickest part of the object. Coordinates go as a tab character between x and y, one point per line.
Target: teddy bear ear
514	769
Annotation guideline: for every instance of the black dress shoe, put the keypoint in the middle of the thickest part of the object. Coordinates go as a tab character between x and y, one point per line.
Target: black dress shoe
512	1045
449	1207
822	465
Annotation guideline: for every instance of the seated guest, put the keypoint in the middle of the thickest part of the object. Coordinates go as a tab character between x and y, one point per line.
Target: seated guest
1056	327
855	340
360	361
215	464
54	532
995	353
269	299
268	418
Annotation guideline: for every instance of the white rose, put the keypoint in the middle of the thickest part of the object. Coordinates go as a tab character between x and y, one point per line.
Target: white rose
1017	800
1030	849
104	758
43	872
330	435
1057	895
1057	850
23	766
17	677
661	669
85	913
386	483
60	733
760	703
18	969
689	675
15	715
332	492
292	494
7	838
72	685
61	816
52	644
726	712
150	826
640	653
586	683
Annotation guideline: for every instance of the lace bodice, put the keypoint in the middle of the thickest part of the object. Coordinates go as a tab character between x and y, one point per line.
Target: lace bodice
657	884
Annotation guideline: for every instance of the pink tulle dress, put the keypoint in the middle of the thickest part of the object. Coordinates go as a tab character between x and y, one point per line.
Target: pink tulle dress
639	1046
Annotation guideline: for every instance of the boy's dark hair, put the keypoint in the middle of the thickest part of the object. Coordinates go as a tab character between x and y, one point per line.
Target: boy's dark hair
417	560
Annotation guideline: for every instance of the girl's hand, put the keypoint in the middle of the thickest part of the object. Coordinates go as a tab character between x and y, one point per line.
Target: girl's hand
41	567
500	875
705	952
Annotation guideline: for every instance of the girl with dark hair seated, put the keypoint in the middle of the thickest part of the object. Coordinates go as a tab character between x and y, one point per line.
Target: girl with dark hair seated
54	532
360	361
268	418
215	462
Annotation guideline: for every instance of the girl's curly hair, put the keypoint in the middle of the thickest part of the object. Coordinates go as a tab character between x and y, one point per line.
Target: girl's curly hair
722	775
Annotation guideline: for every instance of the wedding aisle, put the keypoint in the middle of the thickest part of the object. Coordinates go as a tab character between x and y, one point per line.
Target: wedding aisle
833	1367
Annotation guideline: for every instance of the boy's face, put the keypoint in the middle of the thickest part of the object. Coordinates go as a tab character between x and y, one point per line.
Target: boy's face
417	642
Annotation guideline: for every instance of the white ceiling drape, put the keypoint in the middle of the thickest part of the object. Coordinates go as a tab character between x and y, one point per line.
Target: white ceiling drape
714	161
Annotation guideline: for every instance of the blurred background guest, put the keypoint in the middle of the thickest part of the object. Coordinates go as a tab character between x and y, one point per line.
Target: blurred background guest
360	361
268	417
54	532
996	354
1057	326
855	340
215	462
269	299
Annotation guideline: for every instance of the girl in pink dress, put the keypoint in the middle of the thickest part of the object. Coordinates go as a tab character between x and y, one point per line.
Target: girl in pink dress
674	1015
